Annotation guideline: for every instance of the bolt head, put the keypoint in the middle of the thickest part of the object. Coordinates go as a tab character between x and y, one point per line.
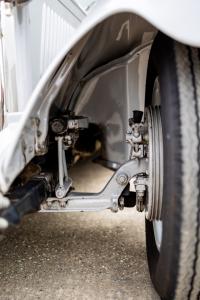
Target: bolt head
60	192
122	179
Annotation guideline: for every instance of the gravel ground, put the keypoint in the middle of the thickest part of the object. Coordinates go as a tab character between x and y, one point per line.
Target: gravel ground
77	255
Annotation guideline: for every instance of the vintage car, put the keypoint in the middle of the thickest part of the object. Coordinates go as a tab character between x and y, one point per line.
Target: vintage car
118	83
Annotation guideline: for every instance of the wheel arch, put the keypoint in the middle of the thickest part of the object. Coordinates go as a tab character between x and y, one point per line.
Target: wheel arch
165	17
177	19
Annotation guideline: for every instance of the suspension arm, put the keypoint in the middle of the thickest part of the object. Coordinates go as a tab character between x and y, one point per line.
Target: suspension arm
107	198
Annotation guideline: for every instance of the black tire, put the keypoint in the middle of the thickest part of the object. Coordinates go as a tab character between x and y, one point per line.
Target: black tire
175	269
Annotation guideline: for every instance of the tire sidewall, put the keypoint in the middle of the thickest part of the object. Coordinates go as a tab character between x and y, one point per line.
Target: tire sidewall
163	265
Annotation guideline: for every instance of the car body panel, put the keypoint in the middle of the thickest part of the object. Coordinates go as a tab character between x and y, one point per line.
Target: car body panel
178	19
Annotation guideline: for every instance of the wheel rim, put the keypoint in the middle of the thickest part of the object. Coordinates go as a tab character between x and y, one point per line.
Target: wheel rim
155	156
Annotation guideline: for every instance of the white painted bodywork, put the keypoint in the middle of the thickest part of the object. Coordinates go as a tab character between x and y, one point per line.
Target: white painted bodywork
19	141
33	35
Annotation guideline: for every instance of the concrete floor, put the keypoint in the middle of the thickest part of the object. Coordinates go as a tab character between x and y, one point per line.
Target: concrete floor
77	255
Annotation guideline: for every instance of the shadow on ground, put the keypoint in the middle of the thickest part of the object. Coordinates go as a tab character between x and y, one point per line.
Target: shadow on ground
76	256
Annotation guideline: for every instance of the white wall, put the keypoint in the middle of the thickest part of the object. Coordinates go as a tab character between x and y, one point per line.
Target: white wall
32	36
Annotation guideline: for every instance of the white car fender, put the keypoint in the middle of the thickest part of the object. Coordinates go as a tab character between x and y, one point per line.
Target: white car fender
178	19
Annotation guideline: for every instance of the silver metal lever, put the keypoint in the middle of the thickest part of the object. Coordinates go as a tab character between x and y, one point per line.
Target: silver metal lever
65	182
107	198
